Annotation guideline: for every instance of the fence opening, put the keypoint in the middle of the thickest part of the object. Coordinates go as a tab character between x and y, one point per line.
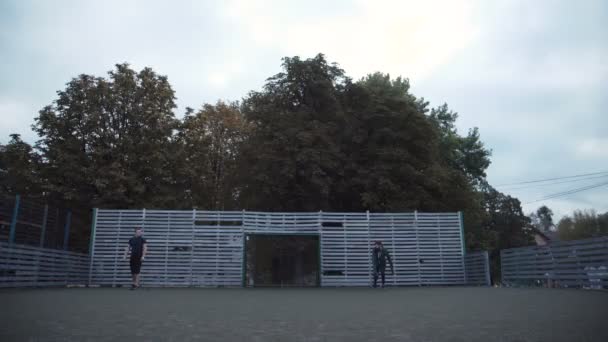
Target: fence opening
282	260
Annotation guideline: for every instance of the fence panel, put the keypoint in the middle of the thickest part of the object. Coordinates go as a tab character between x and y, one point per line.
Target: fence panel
205	248
22	266
477	265
34	222
579	263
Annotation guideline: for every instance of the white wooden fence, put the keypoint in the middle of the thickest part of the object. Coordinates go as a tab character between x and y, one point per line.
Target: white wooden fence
203	248
23	266
579	263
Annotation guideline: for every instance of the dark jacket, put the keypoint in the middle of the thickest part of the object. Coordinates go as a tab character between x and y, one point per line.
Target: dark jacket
379	258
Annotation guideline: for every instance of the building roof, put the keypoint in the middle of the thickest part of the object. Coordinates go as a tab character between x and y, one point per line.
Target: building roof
547	235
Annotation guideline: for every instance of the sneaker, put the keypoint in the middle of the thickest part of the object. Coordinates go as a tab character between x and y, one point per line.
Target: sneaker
132	287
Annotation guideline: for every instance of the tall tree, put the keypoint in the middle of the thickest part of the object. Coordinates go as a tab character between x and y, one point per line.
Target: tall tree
464	153
542	219
504	226
582	225
390	149
19	168
467	159
105	141
292	156
210	142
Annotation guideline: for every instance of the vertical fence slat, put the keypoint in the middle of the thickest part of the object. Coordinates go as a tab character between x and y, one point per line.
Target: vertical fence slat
66	233
13	226
92	245
43	229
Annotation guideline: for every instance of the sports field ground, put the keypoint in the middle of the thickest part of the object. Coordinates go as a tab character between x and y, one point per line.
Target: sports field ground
393	314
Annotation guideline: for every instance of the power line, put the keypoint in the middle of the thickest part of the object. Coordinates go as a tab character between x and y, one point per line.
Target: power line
569	192
555	183
556	178
572	191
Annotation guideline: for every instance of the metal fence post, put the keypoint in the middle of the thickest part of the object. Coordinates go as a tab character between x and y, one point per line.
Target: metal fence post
43	230
320	227
13	226
502	269
487	268
461	219
66	237
192	248
92	245
217	250
244	251
116	248
417	247
169	223
369	251
462	239
42	237
395	258
66	233
345	251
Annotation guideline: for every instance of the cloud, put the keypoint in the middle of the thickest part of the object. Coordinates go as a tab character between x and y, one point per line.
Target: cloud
593	148
51	43
400	37
531	75
534	82
15	117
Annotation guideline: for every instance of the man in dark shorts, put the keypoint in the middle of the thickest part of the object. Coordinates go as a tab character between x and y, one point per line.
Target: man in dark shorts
380	256
138	247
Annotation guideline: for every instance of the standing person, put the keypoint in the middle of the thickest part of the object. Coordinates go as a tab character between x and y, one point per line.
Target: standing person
138	246
379	257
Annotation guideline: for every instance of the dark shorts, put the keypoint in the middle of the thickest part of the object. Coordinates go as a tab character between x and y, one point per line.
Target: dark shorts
135	265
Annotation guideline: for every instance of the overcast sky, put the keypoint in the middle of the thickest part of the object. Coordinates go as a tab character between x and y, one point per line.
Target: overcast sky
532	75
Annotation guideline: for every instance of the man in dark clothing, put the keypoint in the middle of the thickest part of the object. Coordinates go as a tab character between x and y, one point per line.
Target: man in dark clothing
138	247
379	257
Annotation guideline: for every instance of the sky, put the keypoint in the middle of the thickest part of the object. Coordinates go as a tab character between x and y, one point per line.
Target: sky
531	75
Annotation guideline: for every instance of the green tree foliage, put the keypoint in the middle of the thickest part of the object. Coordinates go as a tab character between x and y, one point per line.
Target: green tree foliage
209	145
542	219
582	225
503	226
105	142
293	154
389	148
466	159
19	168
464	153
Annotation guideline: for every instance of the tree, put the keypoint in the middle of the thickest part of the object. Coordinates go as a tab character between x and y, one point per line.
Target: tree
542	219
464	153
390	149
504	226
19	168
292	156
210	143
104	142
582	225
467	159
